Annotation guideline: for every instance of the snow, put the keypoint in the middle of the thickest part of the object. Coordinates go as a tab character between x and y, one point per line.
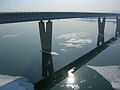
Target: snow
14	83
110	73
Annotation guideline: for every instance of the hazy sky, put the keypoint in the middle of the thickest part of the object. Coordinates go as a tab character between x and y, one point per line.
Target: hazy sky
60	5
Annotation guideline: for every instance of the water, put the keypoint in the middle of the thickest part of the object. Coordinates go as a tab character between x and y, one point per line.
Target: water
20	52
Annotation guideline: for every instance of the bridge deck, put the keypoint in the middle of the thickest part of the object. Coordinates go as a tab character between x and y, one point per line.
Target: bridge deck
13	17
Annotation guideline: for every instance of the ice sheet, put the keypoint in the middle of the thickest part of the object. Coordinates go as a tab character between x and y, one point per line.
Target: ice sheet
110	73
14	83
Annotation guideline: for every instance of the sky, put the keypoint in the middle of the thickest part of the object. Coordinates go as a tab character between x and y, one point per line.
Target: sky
60	5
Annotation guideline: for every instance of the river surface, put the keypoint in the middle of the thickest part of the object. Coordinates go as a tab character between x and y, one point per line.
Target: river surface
21	53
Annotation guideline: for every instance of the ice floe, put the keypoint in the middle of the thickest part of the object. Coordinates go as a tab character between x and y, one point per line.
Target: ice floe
10	35
15	83
110	73
77	40
51	53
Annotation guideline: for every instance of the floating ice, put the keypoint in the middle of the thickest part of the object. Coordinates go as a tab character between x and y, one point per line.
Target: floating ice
14	83
4	79
73	35
63	50
71	45
52	53
10	35
76	39
110	73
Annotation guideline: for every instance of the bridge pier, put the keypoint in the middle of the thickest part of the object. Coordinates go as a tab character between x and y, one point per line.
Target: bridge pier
46	44
101	27
117	26
46	35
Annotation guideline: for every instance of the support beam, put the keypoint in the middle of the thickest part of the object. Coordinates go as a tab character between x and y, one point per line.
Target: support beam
46	44
101	27
117	26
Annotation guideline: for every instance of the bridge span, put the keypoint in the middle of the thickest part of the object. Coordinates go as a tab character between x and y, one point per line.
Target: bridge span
13	17
46	33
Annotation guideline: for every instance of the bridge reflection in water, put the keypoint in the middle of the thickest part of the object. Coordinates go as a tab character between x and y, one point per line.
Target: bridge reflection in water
50	77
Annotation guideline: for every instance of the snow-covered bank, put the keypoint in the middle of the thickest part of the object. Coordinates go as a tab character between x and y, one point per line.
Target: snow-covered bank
14	83
110	73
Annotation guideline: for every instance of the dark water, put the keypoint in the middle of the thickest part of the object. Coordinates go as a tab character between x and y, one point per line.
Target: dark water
20	52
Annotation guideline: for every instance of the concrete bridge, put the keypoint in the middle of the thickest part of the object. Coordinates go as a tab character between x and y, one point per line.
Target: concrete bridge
46	36
14	17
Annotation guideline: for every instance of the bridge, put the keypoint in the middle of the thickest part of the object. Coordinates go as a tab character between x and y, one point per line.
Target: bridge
14	17
46	36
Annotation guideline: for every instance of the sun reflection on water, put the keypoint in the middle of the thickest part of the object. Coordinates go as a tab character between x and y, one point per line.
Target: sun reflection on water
71	77
70	83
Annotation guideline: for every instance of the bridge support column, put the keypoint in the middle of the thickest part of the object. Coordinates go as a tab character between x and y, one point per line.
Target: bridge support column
101	27
46	44
117	26
46	35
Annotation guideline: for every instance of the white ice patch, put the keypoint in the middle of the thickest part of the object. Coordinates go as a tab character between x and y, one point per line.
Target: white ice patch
63	50
54	53
73	35
51	53
14	83
76	39
10	35
110	73
4	79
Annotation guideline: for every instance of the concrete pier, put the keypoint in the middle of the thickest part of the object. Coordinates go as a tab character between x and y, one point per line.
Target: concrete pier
101	27
46	44
117	26
46	35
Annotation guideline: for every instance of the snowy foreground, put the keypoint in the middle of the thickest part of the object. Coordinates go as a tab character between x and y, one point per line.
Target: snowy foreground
110	73
14	83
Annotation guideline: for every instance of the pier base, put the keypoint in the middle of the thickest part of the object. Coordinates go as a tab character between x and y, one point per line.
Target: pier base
101	27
